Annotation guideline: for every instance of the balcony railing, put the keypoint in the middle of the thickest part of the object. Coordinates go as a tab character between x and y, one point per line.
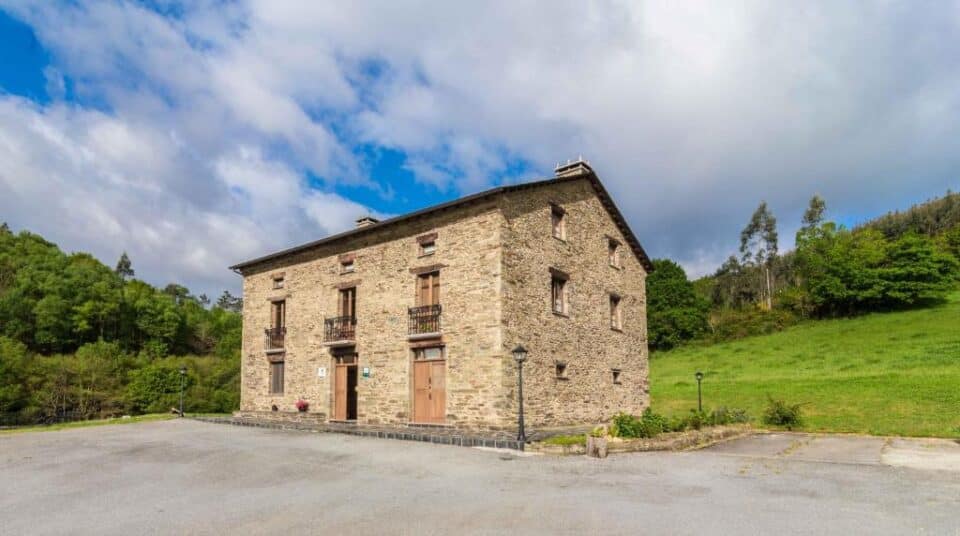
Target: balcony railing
340	328
275	337
425	319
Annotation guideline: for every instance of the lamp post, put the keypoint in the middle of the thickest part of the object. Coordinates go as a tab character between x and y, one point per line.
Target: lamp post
699	376
183	375
520	355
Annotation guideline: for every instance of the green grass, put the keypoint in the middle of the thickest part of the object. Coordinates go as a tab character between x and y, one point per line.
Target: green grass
884	373
85	424
566	440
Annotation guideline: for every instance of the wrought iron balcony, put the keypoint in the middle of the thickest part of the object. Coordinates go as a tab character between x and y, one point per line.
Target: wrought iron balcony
425	319
340	328
275	337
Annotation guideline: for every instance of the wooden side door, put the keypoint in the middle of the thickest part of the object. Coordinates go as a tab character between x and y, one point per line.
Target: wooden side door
421	391
438	391
429	391
340	392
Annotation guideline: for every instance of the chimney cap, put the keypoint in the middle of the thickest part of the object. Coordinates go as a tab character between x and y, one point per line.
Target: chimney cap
571	168
366	220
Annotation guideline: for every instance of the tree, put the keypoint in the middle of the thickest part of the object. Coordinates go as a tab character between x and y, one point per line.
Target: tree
229	302
813	216
758	247
124	267
675	312
204	300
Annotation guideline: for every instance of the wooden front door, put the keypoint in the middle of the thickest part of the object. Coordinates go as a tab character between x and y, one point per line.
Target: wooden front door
429	387
345	389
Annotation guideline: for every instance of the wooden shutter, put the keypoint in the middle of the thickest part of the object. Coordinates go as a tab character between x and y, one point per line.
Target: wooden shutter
279	312
348	302
428	289
276	377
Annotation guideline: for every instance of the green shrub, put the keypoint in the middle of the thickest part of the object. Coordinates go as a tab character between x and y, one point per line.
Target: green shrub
779	413
628	426
724	415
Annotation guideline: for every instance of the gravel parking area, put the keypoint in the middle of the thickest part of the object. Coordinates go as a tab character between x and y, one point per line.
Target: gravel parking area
192	477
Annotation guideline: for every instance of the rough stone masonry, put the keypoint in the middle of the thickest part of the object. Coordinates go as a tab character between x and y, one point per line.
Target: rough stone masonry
551	265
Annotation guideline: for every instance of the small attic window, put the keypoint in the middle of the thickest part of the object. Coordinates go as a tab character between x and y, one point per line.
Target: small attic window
613	252
558	221
348	263
278	281
427	244
561	370
616	376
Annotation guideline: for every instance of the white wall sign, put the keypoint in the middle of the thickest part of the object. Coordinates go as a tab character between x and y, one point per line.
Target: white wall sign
322	372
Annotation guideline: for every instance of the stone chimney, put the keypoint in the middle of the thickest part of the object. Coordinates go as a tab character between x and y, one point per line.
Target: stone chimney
573	168
366	220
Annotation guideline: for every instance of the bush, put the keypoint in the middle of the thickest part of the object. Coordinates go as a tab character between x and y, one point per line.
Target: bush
649	424
723	415
567	440
779	413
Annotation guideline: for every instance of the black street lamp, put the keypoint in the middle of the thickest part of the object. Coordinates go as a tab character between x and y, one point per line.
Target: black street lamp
520	355
699	376
183	375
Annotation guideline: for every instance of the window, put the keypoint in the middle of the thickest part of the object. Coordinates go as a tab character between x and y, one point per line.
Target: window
558	291
278	281
348	263
616	321
276	378
613	253
431	353
561	370
616	375
278	314
558	220
427	244
347	304
428	289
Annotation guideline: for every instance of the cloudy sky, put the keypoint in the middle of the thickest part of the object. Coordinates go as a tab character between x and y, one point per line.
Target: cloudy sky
197	135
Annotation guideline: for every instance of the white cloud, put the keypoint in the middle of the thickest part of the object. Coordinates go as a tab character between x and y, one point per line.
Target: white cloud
691	113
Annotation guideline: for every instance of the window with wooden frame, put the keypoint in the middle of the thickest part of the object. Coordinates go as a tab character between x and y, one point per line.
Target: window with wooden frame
278	314
276	377
613	252
616	315
347	303
558	294
616	376
278	281
558	221
428	289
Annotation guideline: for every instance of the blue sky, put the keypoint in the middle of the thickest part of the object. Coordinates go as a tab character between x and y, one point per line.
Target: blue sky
198	134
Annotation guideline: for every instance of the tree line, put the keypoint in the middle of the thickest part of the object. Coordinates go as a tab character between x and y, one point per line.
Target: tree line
900	260
81	339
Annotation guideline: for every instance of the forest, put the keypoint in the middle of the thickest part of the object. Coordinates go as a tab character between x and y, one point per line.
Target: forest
79	340
900	260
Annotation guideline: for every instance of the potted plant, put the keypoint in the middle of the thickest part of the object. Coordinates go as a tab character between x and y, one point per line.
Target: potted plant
302	405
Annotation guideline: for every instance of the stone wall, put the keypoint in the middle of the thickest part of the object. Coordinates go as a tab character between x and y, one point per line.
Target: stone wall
467	247
584	340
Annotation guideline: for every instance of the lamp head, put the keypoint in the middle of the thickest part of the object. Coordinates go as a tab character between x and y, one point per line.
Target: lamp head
520	354
699	375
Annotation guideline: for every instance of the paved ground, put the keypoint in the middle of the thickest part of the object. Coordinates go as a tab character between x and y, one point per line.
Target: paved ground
191	477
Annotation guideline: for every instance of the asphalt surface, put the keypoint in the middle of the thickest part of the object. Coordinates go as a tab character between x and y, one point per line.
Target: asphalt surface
177	477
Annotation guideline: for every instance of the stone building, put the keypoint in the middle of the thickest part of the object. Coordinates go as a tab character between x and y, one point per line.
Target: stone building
412	320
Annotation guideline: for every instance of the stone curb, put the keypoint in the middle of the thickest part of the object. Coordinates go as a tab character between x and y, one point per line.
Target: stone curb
403	435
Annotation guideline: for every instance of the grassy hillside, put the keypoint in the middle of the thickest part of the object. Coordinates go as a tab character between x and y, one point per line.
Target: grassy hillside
884	373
